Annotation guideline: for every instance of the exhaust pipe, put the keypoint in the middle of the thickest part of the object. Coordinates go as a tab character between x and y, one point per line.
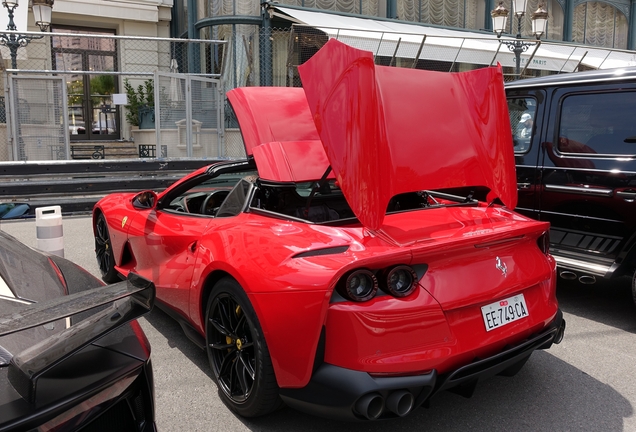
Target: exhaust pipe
559	336
567	275
370	406
400	402
587	280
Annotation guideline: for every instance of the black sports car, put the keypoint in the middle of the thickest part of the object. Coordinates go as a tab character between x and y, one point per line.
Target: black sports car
72	355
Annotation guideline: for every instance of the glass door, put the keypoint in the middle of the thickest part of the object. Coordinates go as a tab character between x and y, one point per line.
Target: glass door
92	115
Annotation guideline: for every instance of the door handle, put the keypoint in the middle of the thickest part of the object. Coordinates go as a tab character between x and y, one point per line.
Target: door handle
523	186
628	196
193	246
579	190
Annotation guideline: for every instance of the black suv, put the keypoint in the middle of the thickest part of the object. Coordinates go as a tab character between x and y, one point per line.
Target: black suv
575	150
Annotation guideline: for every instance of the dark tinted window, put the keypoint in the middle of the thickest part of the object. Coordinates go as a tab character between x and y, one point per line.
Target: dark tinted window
522	114
599	123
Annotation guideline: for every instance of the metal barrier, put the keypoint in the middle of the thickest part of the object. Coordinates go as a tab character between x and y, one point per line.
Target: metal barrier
77	185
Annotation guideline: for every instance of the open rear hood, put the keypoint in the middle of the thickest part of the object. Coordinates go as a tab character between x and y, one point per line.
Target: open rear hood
272	114
389	130
385	130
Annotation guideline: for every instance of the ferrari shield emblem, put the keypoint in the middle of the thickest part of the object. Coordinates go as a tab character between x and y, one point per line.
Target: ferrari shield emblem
125	219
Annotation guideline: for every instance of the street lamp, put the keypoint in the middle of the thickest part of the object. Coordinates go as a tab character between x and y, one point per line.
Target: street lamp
539	22
42	13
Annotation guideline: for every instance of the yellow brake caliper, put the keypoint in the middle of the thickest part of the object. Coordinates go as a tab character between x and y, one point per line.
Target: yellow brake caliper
228	339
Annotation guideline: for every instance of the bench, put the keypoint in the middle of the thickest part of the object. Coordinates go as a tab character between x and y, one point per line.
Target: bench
87	152
150	151
147	150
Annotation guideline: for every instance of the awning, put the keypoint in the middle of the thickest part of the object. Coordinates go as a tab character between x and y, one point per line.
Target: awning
411	41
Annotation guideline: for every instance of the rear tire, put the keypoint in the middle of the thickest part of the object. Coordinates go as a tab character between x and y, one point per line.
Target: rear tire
634	287
237	352
104	251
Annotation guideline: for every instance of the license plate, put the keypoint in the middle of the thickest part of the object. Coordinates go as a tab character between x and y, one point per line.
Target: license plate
503	312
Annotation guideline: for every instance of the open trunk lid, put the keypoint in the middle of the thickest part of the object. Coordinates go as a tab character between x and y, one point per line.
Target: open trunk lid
389	130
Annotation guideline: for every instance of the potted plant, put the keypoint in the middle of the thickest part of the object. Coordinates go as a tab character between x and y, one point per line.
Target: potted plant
141	104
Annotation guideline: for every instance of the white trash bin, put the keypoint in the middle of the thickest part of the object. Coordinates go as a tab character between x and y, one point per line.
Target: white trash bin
49	230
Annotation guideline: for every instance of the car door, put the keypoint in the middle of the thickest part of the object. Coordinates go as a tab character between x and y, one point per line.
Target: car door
526	108
589	175
165	242
164	245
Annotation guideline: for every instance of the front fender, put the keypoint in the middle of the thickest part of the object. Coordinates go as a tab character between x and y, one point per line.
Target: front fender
119	213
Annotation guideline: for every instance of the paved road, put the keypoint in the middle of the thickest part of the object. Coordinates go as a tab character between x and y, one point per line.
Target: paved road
587	383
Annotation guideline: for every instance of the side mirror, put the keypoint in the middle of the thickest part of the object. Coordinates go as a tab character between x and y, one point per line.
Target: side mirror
144	200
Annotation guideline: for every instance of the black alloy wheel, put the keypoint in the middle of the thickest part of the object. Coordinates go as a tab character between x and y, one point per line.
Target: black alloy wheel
104	251
238	354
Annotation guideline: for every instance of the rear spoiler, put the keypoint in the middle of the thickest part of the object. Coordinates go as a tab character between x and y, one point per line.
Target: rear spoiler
129	300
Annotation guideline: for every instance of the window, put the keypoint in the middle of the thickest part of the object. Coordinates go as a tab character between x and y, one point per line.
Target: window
599	123
203	195
360	7
599	24
452	13
522	115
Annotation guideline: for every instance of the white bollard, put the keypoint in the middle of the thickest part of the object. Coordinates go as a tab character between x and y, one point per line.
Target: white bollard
49	230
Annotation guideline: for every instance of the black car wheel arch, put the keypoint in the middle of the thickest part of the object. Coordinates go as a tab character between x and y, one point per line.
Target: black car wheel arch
104	251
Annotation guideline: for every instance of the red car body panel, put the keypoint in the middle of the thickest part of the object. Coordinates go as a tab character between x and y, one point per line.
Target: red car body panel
292	161
467	254
298	290
371	120
267	114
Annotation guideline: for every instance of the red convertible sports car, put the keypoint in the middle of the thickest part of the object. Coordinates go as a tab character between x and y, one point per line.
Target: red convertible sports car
363	257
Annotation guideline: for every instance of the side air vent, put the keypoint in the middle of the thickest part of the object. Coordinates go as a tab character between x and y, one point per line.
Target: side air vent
325	251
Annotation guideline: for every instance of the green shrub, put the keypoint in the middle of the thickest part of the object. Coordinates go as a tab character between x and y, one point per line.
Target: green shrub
142	97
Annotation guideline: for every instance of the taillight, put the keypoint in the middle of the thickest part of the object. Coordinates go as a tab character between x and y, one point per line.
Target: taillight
362	284
544	242
359	285
399	281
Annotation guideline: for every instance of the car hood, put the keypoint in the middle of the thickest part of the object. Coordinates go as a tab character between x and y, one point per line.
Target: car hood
389	130
385	130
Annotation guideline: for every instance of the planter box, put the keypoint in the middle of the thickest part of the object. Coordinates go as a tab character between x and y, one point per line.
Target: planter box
146	118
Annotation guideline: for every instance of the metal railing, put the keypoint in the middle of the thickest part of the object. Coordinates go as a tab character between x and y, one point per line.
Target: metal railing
58	52
42	112
78	185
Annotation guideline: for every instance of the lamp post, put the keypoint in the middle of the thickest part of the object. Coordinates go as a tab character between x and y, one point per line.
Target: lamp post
539	21
41	11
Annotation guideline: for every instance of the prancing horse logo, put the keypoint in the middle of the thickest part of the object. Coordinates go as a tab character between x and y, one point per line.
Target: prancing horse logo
502	266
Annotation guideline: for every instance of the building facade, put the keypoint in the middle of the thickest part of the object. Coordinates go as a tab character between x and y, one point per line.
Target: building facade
609	24
253	28
91	67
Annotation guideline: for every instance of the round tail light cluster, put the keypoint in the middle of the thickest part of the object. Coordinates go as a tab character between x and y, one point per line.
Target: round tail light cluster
400	281
359	285
362	284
